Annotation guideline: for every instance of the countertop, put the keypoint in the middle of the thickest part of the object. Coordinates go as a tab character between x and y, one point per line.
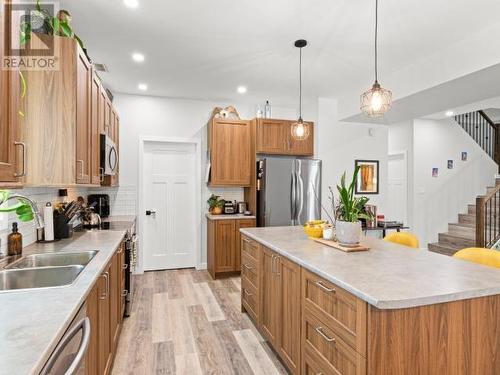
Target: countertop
388	276
229	217
33	321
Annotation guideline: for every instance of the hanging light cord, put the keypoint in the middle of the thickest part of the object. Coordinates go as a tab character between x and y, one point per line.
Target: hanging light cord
376	35
300	83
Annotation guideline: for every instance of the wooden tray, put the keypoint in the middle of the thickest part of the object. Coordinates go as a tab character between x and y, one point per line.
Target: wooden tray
336	245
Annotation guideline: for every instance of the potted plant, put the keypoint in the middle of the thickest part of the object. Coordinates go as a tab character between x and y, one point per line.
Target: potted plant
215	204
349	211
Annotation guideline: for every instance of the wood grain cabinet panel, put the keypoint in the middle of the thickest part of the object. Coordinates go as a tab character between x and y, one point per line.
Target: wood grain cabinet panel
92	362
230	154
250	299
340	310
243	223
95	140
271	136
250	247
83	119
270	297
104	310
115	300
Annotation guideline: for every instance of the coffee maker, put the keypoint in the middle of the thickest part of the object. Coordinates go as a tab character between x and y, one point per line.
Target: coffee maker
100	202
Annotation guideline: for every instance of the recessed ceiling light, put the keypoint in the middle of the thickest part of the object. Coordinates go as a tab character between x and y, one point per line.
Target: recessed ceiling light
142	86
241	89
138	57
449	113
131	3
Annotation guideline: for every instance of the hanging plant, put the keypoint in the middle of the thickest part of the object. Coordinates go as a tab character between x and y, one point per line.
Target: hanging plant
22	210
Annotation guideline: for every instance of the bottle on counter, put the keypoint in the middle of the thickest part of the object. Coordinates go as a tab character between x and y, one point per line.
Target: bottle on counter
267	110
15	241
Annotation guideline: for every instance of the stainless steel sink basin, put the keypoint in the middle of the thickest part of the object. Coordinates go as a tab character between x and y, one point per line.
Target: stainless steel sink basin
54	260
45	277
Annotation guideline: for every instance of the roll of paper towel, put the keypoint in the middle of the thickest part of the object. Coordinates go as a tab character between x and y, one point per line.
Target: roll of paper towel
48	218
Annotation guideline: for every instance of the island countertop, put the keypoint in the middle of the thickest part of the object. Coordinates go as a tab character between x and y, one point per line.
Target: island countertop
32	321
388	276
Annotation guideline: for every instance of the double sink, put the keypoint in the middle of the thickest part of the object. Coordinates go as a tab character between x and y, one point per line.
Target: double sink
44	270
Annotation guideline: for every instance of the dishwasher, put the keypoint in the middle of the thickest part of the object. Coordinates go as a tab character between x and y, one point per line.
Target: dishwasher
68	358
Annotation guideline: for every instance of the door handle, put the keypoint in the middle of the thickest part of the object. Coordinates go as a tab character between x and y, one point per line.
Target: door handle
324	287
150	212
23	145
322	334
105	294
124	293
82	164
278	273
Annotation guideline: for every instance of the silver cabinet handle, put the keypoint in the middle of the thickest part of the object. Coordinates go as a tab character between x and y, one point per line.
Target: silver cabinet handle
278	273
322	334
324	287
272	263
248	267
124	293
23	173
82	164
106	290
247	292
101	174
125	266
120	250
84	326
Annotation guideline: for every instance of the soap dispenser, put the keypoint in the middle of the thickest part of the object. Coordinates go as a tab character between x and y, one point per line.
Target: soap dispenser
15	241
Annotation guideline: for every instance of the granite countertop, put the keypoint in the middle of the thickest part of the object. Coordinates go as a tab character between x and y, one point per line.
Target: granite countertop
33	321
388	276
229	216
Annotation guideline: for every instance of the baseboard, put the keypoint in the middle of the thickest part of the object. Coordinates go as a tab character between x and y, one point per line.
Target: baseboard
201	266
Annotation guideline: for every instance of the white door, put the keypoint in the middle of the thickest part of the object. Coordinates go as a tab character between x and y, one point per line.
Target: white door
169	201
397	205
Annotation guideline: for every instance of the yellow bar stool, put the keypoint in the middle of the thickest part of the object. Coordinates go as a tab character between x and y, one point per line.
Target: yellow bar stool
403	238
479	255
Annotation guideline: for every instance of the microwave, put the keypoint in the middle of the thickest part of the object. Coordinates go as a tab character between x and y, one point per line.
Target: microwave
109	156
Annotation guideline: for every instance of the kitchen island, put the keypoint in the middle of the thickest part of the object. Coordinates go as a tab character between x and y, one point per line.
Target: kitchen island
389	310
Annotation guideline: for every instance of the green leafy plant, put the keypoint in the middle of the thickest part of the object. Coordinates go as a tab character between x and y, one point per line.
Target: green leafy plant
22	210
53	25
350	208
215	201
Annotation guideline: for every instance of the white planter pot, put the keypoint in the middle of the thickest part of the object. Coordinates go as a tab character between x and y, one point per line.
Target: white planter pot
348	233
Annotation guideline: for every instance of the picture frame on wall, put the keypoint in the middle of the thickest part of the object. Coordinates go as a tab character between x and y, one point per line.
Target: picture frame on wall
368	177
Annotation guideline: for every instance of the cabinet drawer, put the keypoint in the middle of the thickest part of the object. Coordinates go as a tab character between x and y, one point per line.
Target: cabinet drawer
250	247
334	355
341	311
250	270
250	298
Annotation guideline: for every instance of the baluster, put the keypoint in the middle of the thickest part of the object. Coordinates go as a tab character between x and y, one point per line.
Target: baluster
488	224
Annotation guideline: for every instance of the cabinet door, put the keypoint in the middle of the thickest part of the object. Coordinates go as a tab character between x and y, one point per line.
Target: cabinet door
95	130
247	223
9	100
104	328
83	114
225	249
231	162
271	136
103	118
92	357
115	299
107	115
269	286
289	313
304	147
123	270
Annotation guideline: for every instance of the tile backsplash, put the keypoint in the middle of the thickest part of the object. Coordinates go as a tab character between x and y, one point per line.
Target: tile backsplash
122	200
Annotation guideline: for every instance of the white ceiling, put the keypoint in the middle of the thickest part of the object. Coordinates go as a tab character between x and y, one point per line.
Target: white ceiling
205	49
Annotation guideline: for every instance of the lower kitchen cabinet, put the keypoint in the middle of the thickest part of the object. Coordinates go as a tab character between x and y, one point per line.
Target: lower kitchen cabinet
104	331
223	239
92	358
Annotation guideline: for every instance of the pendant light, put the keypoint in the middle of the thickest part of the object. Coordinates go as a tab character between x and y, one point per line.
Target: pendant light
300	129
376	101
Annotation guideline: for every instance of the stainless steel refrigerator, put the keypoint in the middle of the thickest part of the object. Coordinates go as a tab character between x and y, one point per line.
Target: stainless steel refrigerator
289	191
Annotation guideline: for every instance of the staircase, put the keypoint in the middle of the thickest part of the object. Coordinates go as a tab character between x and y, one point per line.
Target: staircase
462	234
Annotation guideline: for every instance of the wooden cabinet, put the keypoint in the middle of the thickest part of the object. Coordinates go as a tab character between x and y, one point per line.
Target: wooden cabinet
115	299
223	239
83	119
270	295
230	154
104	310
95	126
275	137
9	125
92	357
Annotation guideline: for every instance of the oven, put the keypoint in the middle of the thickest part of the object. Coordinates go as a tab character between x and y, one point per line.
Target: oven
109	156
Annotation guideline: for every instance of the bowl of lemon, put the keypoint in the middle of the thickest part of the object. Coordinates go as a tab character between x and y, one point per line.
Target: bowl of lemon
314	228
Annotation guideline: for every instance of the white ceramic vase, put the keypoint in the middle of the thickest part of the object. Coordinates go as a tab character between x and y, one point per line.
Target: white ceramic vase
348	233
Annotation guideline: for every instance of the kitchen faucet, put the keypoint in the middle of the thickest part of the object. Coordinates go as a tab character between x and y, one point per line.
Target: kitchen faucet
38	217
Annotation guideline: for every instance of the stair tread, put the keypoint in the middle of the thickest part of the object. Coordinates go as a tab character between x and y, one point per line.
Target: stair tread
442	249
462	236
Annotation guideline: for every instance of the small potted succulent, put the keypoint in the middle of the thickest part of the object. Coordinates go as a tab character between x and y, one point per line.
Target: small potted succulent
348	212
215	204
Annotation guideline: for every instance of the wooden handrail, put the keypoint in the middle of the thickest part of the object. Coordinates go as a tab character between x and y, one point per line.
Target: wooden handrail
487	118
487	218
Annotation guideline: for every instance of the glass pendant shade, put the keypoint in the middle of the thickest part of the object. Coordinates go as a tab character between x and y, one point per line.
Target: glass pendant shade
376	101
300	130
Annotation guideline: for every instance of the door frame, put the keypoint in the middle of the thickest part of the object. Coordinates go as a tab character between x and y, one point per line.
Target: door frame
405	179
197	204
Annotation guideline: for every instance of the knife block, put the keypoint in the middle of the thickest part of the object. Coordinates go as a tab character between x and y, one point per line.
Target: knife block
61	227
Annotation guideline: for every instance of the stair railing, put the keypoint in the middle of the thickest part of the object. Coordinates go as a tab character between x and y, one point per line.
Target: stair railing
483	130
488	218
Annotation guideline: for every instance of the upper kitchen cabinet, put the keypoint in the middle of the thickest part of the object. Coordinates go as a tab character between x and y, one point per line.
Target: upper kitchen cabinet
229	143
84	88
275	137
95	129
10	171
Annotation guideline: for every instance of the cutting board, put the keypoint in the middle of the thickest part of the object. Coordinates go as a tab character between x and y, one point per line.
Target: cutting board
336	245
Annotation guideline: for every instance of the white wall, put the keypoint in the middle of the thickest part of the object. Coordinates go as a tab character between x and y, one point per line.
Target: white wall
438	200
179	118
340	143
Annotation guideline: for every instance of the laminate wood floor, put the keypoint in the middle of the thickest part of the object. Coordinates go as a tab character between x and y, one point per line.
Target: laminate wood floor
183	322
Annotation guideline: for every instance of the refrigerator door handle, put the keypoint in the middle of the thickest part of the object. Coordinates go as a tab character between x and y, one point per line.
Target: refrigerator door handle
293	197
300	203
